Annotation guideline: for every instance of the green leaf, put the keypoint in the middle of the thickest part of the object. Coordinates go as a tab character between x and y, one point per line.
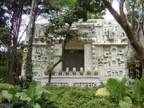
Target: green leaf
122	86
142	84
138	90
6	95
36	105
123	104
128	99
116	88
22	96
112	82
126	103
12	91
39	91
5	86
124	80
32	89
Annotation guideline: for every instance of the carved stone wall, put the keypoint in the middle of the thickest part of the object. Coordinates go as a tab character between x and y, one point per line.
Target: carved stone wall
104	48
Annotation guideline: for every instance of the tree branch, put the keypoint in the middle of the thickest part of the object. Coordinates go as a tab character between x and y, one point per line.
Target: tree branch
111	9
123	22
121	9
62	57
121	5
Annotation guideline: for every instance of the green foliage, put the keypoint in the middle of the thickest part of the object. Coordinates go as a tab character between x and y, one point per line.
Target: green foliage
58	4
132	60
59	27
116	88
79	97
138	92
135	66
4	86
124	95
137	4
9	94
90	7
6	105
120	96
79	8
3	73
126	102
61	21
22	82
118	92
3	70
35	96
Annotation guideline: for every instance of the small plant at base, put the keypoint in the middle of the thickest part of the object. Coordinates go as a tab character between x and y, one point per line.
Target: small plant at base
33	96
126	102
138	92
117	90
4	86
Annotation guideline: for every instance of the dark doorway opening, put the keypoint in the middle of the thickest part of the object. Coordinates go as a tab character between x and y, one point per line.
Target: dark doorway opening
73	58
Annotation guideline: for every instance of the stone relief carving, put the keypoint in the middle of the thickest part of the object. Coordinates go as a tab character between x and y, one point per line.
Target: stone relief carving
109	57
107	52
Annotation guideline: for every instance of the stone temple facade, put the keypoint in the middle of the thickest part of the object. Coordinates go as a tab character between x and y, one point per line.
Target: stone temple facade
90	60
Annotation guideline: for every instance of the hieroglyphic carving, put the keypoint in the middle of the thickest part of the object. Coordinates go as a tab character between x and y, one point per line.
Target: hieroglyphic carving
114	73
107	59
42	57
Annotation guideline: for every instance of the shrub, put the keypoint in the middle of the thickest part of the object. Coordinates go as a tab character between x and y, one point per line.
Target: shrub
4	86
3	73
33	97
79	97
138	93
116	88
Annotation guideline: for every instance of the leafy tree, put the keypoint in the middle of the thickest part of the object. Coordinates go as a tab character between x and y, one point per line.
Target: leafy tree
9	32
133	24
58	28
10	23
62	20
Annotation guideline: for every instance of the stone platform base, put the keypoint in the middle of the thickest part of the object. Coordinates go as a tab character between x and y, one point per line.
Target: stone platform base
80	81
71	81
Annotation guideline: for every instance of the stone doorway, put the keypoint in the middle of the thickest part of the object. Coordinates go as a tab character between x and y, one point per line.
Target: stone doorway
73	58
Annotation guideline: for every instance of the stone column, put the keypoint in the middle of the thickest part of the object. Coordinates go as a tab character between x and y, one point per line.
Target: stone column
57	54
87	57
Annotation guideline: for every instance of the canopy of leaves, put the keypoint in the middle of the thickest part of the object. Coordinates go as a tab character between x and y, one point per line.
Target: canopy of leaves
58	28
135	10
61	20
61	3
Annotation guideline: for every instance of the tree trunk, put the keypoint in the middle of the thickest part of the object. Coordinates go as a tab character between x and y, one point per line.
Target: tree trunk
30	33
60	60
17	9
50	71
